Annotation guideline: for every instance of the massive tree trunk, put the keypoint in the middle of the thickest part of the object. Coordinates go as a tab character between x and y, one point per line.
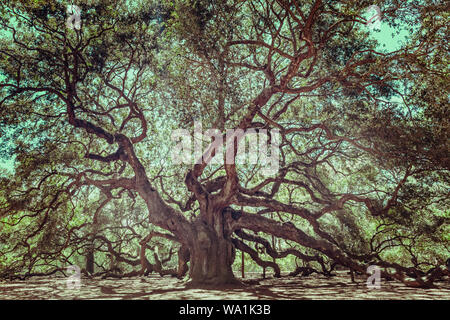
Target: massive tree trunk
211	253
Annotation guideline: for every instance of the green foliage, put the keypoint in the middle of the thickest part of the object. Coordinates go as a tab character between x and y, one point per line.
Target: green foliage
176	62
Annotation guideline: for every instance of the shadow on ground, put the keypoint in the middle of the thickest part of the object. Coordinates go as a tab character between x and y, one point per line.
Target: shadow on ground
154	288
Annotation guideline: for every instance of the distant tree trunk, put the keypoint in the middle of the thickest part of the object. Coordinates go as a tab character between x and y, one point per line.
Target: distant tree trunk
90	260
243	265
273	243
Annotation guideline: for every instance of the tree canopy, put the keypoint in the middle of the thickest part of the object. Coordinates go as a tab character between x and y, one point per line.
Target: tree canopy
88	113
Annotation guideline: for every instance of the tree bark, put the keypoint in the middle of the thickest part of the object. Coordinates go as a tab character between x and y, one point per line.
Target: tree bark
211	254
90	261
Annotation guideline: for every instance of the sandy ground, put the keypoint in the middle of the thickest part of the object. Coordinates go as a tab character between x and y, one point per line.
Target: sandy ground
154	287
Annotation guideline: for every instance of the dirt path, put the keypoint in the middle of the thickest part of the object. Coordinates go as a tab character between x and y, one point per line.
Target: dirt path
155	287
